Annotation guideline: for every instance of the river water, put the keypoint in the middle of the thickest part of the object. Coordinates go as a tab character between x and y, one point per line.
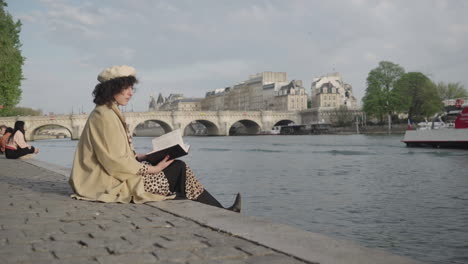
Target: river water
368	189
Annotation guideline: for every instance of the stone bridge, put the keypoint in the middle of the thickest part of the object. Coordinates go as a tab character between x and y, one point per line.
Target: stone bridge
218	123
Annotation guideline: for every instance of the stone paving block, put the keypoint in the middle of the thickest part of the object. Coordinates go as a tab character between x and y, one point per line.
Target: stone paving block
104	243
108	235
70	237
130	258
124	247
168	231
18	249
273	259
145	211
70	249
142	239
12	222
75	260
15	257
80	215
217	261
80	227
12	236
254	250
143	223
182	244
41	220
163	254
179	223
222	252
6	211
171	262
82	252
43	231
218	238
110	226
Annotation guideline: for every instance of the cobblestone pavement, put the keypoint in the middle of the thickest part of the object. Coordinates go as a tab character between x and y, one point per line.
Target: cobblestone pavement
40	223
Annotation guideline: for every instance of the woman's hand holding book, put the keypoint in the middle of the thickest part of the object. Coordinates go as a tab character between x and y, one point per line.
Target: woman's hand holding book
161	165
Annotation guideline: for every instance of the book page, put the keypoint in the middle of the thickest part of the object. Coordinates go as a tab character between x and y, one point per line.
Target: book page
169	139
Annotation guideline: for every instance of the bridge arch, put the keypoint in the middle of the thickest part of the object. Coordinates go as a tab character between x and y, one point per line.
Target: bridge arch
244	127
284	122
211	129
40	132
147	125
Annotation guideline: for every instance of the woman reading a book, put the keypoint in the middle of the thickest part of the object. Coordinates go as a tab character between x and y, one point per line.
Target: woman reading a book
106	167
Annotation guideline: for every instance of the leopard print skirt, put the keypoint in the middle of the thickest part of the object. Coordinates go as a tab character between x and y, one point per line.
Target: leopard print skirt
158	183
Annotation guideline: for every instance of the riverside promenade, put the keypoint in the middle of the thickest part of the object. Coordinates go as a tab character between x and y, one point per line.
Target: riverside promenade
40	223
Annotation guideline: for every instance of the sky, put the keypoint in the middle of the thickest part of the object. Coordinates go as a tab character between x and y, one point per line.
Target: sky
195	46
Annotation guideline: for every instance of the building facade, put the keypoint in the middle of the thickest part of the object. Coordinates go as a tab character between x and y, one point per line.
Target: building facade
186	104
262	91
329	91
174	102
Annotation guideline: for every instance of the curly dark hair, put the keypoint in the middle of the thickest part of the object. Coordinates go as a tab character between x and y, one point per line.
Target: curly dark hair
104	92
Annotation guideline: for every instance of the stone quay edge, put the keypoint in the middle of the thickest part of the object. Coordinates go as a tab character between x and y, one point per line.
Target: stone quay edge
40	223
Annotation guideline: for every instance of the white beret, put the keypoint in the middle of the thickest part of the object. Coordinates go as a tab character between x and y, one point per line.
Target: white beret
115	72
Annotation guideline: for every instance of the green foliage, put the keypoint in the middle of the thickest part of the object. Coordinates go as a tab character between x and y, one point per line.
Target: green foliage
380	98
451	90
342	116
11	61
418	96
25	111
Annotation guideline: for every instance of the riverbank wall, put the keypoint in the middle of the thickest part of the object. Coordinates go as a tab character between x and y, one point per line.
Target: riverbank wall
40	223
369	129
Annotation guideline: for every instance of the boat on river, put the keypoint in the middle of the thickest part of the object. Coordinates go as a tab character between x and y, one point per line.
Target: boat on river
274	131
440	134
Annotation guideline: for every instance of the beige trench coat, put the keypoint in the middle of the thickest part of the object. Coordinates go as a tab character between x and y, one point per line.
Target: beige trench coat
105	168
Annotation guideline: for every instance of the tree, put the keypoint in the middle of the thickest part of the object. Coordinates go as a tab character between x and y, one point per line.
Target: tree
341	116
451	91
25	111
380	99
11	61
418	96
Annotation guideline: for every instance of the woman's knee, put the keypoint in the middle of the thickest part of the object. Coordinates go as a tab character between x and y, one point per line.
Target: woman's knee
178	164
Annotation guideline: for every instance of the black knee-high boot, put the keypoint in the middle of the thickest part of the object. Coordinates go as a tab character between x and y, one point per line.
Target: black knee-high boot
206	198
236	206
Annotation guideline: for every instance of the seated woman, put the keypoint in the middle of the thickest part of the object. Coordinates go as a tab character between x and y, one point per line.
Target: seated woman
106	167
4	139
16	146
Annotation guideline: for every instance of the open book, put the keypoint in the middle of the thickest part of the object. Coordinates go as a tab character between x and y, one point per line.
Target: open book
168	144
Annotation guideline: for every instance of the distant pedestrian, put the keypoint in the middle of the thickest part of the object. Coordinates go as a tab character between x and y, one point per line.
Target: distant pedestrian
4	139
2	130
106	167
17	146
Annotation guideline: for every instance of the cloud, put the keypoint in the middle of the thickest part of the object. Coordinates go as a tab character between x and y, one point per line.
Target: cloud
198	71
196	46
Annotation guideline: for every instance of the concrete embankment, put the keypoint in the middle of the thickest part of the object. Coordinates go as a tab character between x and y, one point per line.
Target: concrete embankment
374	129
40	223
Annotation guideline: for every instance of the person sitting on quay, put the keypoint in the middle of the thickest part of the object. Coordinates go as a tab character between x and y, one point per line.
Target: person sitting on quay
16	146
4	139
106	167
2	132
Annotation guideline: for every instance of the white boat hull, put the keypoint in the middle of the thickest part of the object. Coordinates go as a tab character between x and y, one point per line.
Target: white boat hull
444	137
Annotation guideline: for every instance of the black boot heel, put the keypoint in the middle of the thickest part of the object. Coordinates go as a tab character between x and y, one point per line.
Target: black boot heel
236	207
